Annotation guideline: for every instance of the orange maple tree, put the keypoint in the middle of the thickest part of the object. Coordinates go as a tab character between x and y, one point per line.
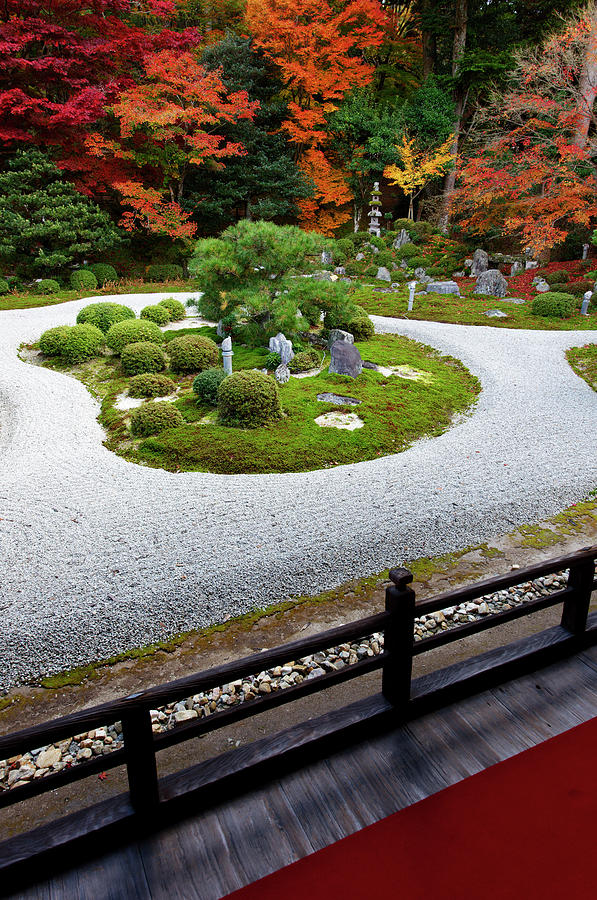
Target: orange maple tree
534	176
320	49
168	123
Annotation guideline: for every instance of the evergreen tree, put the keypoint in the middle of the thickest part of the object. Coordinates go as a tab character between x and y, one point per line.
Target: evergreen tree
264	182
45	224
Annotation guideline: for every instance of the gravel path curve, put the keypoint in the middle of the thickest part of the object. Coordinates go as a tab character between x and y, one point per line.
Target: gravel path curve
100	555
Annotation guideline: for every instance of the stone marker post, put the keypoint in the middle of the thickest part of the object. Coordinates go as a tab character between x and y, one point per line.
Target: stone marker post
412	285
227	354
585	250
584	310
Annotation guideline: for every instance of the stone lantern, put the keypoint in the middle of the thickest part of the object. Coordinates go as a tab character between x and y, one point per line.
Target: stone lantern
375	212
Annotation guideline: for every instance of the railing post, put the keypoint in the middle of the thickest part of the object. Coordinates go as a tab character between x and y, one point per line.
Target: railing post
398	639
140	761
576	607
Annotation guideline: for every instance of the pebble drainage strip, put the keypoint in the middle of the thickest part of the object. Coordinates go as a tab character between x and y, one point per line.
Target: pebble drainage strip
20	770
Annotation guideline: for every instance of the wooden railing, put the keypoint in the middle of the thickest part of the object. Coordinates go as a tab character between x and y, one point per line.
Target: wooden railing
150	798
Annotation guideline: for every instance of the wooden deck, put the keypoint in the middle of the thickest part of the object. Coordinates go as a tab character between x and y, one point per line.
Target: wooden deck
206	856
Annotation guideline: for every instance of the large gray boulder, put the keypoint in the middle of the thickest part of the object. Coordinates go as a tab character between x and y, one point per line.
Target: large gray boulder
480	263
383	274
346	359
280	344
402	239
336	334
443	287
492	282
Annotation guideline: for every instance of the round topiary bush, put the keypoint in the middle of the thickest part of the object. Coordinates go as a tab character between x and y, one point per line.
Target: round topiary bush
141	357
206	385
151	385
52	340
4	286
157	314
104	272
46	286
248	399
83	280
553	305
302	362
192	353
359	325
560	276
130	331
174	307
151	418
104	315
81	342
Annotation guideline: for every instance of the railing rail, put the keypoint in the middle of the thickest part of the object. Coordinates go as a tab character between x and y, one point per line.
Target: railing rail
397	621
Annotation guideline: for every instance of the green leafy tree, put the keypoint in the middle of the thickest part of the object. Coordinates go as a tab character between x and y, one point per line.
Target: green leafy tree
45	224
252	275
265	182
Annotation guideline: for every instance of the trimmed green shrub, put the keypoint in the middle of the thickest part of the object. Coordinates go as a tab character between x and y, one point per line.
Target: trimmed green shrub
248	399
302	362
141	357
157	314
4	286
371	271
83	280
577	289
359	324
104	272
592	275
130	331
355	268
46	286
174	307
52	340
104	315
81	342
192	353
385	258
408	251
558	277
164	272
206	385
416	262
151	418
273	360
553	305
150	385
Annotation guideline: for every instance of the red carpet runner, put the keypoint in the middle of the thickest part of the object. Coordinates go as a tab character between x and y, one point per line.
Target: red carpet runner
523	829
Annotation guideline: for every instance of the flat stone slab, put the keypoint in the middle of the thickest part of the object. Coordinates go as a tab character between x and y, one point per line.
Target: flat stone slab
443	287
336	398
406	372
345	421
124	402
511	300
496	314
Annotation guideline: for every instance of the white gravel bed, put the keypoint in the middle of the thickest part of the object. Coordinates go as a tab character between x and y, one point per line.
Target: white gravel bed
46	760
100	555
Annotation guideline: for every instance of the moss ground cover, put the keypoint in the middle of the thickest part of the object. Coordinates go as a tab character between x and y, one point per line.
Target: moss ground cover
469	309
584	362
396	411
27	299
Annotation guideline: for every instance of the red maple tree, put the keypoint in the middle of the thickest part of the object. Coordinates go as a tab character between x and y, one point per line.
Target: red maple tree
534	176
62	62
321	51
168	123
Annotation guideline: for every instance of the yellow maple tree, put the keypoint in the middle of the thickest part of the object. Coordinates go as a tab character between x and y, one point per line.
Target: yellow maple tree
418	167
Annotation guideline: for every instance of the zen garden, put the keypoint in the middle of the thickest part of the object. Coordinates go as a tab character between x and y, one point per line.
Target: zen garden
290	293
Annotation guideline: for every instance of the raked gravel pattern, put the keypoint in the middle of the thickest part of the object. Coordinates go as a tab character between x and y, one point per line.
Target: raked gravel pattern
100	555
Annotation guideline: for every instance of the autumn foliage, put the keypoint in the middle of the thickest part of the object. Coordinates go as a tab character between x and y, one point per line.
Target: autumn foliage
320	50
169	122
418	167
533	177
